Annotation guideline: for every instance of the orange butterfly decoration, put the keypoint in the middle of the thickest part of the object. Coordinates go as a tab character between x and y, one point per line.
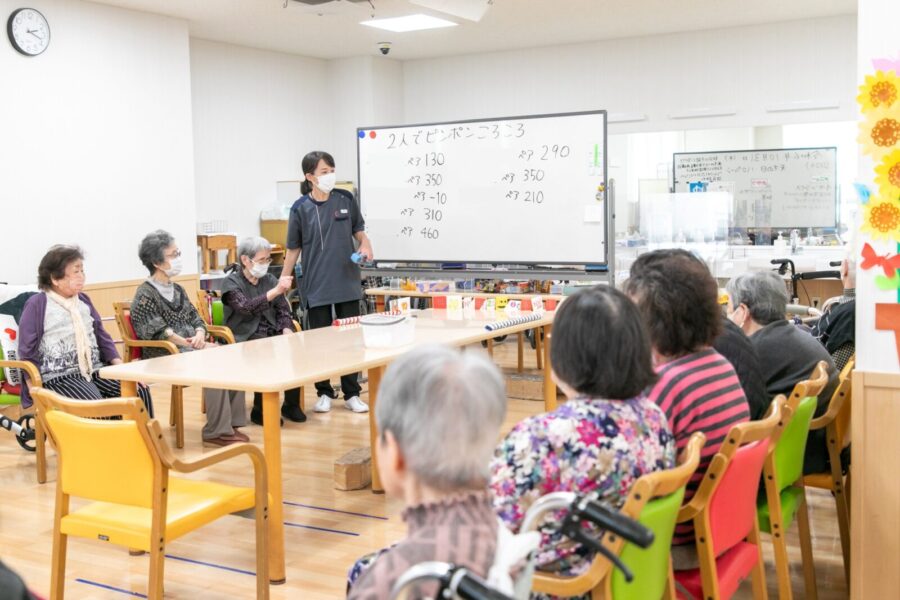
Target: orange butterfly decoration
871	259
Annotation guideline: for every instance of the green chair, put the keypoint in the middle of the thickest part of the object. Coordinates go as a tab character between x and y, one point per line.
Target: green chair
654	501
783	477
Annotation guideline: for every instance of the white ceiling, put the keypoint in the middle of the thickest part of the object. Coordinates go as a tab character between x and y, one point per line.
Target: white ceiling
508	24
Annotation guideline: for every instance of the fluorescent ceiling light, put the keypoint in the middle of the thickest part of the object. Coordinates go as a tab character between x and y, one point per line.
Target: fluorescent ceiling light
803	105
626	117
409	23
471	10
698	113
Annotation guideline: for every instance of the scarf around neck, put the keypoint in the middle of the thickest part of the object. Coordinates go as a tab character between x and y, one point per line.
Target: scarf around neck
82	346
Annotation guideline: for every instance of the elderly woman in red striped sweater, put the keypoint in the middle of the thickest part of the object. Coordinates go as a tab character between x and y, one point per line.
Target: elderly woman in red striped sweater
697	388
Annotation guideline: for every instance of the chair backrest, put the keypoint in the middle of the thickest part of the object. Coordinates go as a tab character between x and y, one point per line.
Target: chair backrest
727	493
126	329
210	307
791	447
844	392
665	491
100	459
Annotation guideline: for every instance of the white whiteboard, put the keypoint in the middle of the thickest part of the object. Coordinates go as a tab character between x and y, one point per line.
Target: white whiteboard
518	190
787	187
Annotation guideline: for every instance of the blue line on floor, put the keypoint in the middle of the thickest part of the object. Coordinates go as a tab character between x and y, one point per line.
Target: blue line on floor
208	564
322	529
334	510
111	588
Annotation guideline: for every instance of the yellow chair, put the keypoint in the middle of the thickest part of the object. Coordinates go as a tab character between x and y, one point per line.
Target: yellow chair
836	422
34	380
123	467
654	501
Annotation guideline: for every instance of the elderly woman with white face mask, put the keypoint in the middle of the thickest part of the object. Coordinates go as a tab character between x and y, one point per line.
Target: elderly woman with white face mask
255	307
161	310
61	332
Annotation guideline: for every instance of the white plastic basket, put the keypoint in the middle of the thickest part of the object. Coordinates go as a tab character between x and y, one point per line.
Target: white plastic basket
387	331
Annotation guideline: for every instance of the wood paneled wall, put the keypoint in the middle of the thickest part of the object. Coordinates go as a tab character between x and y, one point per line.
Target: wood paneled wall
875	489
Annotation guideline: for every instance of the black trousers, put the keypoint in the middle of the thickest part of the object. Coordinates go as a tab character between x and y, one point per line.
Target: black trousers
320	316
291	398
76	387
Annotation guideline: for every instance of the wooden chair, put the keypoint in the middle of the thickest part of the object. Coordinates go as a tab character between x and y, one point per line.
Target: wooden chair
123	467
132	351
836	422
723	511
782	475
654	501
211	310
40	438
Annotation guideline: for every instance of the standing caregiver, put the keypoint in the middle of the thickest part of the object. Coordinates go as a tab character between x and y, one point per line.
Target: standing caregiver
321	229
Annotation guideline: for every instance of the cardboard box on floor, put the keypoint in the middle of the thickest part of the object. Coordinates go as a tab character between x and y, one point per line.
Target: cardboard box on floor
524	386
353	471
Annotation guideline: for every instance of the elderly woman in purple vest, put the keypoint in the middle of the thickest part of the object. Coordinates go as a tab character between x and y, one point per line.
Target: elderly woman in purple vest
61	332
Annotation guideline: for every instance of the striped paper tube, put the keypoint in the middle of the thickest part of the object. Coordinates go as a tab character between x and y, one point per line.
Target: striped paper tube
514	321
355	320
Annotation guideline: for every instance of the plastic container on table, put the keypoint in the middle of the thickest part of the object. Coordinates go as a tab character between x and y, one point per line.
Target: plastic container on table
387	331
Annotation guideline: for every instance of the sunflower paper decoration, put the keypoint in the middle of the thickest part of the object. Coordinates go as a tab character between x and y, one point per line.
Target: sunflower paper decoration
880	131
887	175
881	218
881	90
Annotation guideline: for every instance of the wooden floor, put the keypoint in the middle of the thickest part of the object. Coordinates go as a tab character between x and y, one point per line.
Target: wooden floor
326	529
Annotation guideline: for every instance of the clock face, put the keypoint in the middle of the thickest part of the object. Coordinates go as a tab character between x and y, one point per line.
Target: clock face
28	31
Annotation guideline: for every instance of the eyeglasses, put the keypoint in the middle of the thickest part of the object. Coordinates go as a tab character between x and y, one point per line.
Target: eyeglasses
176	254
263	261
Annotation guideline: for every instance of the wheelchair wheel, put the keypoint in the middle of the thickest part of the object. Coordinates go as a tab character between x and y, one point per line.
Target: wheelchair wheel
26	438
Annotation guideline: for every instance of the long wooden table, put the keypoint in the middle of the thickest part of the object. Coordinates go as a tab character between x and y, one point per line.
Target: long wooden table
279	363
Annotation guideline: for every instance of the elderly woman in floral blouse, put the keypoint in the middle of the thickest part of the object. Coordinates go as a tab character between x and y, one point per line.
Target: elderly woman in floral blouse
606	436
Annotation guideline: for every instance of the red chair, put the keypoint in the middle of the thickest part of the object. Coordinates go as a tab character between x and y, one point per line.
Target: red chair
723	511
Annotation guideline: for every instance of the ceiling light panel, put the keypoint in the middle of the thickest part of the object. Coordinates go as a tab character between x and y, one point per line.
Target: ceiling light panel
416	22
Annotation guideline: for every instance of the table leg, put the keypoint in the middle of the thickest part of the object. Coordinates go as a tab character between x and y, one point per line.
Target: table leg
374	381
272	449
490	347
520	366
204	256
539	351
549	385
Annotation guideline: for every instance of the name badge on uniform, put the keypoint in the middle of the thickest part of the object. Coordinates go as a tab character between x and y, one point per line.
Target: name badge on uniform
340	215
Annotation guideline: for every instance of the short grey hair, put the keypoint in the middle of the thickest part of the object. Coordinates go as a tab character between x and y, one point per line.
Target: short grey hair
445	408
763	292
249	246
152	250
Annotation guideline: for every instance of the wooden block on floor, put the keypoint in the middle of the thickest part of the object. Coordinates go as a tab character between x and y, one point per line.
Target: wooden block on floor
353	471
525	386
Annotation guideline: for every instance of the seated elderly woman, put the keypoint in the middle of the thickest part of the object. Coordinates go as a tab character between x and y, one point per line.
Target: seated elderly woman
61	332
161	310
439	413
697	388
603	439
757	303
255	307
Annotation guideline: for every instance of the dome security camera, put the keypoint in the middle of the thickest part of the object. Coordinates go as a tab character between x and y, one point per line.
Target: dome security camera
384	47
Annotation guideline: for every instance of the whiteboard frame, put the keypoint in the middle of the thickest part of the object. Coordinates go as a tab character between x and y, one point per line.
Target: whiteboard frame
607	213
675	156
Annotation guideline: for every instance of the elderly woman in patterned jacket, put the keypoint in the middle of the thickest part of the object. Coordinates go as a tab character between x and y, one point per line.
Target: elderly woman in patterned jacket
161	310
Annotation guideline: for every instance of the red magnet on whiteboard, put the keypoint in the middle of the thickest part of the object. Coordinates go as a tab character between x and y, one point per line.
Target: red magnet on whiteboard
372	134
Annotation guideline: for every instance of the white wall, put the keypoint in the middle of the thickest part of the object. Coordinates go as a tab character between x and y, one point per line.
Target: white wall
367	92
876	350
256	114
96	143
744	68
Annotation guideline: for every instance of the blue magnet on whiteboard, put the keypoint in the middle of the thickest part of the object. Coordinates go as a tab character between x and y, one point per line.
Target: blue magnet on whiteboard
361	134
